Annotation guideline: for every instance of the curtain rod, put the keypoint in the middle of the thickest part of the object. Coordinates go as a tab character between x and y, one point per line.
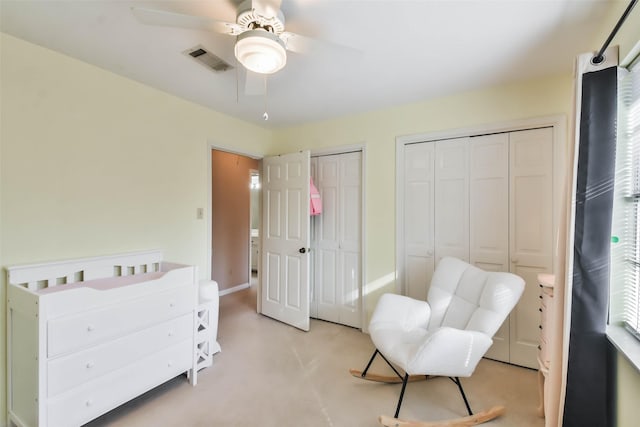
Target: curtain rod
598	58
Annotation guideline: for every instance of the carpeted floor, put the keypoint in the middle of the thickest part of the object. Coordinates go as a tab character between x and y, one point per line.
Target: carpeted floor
270	374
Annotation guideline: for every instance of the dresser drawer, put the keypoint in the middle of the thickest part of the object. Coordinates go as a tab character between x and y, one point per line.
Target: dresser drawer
71	333
97	397
66	372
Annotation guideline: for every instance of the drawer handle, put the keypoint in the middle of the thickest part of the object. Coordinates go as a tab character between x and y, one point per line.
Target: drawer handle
170	333
169	364
171	304
88	402
90	328
89	365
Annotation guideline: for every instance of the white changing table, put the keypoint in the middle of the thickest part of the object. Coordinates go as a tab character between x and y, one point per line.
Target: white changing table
87	335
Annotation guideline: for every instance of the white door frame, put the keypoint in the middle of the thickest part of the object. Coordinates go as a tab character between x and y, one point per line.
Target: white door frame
215	146
559	124
343	149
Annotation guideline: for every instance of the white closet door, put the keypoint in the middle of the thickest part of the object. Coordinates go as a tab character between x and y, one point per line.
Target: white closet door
338	239
531	233
418	219
313	305
349	227
327	240
489	216
452	199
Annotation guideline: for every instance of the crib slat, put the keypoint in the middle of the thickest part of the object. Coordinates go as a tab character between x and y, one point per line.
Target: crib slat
52	282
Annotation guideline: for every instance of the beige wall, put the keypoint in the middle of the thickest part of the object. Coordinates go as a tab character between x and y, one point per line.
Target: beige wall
231	197
627	393
93	163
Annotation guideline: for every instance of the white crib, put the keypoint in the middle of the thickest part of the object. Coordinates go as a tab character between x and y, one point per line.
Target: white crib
87	335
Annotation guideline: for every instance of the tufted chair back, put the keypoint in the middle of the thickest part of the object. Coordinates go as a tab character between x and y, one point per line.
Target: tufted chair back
463	296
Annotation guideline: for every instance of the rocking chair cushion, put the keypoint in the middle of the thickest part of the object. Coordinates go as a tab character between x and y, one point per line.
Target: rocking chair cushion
445	351
449	334
400	312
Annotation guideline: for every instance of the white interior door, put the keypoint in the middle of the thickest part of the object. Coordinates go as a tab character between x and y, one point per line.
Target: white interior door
285	239
418	221
452	199
531	234
489	216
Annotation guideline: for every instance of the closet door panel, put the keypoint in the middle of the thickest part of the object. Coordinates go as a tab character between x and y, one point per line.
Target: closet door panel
418	221
350	200
313	289
350	176
489	216
350	289
531	245
452	199
489	202
327	239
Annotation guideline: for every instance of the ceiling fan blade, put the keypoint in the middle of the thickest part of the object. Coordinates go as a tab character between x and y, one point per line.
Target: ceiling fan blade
266	8
308	45
172	19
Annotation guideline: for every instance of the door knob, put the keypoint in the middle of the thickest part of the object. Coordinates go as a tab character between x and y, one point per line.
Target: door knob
303	250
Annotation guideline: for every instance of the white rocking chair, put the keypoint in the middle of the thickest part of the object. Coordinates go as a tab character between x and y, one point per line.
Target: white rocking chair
445	336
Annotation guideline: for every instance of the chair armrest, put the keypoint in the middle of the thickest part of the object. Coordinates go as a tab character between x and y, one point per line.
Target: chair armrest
400	312
449	352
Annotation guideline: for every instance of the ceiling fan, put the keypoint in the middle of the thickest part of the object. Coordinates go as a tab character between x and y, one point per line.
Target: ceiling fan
261	43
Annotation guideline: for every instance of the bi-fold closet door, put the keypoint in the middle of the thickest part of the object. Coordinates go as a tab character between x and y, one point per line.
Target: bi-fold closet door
336	239
487	200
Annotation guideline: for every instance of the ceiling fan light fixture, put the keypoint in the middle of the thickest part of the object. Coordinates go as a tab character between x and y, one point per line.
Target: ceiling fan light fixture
261	51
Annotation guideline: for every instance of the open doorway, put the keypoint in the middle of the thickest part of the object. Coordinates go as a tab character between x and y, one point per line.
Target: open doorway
254	253
231	219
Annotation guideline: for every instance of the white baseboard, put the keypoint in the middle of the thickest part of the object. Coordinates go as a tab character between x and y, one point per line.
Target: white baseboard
224	292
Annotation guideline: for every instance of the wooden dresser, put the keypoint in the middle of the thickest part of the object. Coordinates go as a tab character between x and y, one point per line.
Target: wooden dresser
547	319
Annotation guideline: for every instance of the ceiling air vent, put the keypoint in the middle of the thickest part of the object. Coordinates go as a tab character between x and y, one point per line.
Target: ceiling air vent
208	59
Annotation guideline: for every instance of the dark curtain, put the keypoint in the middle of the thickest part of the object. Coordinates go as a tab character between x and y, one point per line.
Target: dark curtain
591	372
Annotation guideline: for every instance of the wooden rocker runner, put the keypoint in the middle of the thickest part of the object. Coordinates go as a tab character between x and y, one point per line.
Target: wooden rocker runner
386	421
387	379
472	420
447	335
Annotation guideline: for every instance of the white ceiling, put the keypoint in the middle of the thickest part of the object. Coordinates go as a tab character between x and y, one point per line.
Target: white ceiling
405	51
